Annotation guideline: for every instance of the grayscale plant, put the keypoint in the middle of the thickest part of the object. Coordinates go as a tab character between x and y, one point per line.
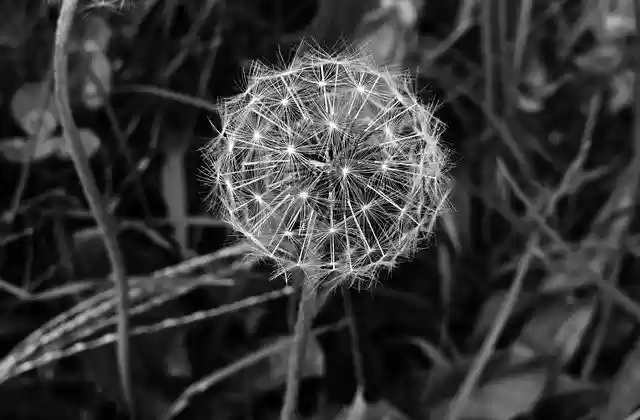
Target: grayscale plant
330	165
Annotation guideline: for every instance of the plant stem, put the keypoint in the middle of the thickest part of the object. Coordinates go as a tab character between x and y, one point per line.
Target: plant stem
463	396
358	366
103	218
306	313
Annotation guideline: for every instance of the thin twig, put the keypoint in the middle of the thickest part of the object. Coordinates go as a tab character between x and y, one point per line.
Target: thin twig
103	217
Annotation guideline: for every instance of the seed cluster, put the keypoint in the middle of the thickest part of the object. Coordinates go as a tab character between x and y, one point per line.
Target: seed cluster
330	165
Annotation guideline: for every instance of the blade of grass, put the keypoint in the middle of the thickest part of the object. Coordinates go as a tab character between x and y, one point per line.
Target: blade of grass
102	216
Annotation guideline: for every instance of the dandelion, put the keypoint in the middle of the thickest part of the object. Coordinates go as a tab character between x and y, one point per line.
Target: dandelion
329	165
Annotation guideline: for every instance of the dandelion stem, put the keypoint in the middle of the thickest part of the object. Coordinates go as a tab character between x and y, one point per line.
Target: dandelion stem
358	367
306	313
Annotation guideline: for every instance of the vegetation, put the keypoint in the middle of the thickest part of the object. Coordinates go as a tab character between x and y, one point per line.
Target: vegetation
523	306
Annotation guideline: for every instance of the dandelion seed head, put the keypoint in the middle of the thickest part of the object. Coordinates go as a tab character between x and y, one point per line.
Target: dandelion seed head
331	165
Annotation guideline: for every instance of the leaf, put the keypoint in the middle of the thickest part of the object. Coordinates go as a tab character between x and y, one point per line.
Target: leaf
569	405
570	334
603	59
538	84
17	149
621	86
93	96
570	273
39	124
504	398
97	34
558	328
27	109
173	177
91	77
624	394
384	30
620	21
361	410
357	410
490	310
90	142
14	149
384	410
443	382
